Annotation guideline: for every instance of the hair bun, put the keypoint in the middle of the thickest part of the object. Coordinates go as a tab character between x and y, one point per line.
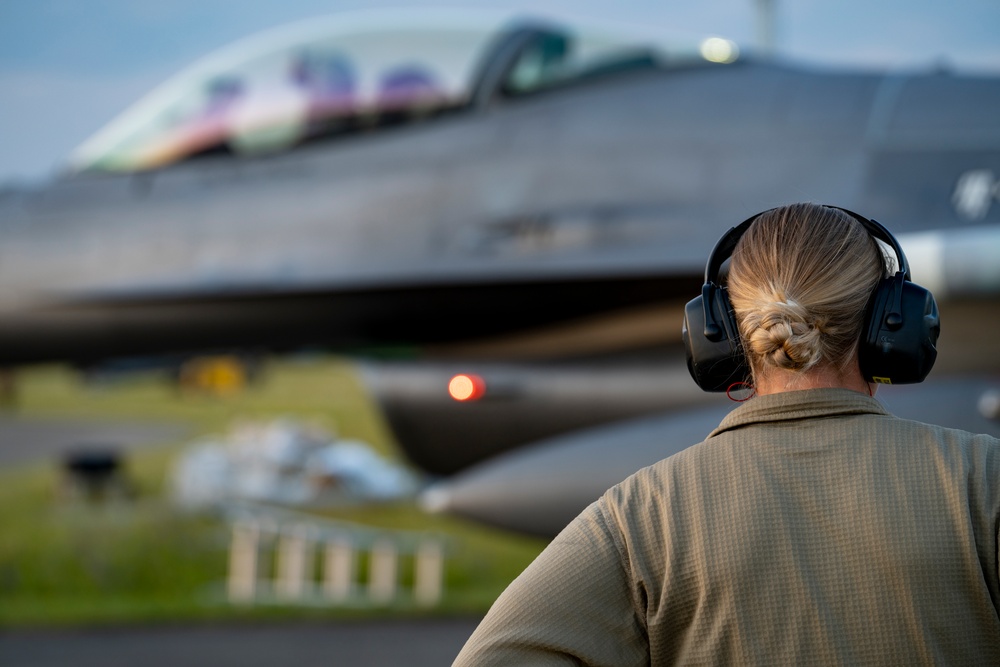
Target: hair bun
786	336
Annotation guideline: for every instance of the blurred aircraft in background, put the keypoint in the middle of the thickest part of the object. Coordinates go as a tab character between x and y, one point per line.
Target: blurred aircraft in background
524	207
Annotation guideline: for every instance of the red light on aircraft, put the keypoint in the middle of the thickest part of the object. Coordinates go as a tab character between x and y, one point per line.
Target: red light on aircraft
466	387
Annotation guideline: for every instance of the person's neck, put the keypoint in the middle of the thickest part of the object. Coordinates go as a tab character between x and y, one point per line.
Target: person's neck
777	380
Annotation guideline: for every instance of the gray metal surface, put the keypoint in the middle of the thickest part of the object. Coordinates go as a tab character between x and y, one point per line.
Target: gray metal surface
535	210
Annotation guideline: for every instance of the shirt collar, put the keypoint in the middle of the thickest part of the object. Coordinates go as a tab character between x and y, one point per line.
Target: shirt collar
805	404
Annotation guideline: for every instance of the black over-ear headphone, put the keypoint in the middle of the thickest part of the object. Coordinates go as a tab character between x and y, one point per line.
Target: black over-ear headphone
898	338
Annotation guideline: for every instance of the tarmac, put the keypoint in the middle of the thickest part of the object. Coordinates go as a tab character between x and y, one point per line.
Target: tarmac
24	440
414	643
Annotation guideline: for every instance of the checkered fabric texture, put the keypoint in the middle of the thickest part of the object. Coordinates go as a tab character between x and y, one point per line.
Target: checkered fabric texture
811	527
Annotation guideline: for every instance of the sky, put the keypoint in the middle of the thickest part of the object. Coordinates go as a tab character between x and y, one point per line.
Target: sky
68	67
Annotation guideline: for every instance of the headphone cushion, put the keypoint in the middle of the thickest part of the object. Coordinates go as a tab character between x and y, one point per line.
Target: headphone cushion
715	362
891	352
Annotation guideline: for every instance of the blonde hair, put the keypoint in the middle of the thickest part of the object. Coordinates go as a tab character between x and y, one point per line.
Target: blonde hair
799	281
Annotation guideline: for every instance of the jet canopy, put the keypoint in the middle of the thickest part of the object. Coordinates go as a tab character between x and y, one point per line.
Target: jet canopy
344	74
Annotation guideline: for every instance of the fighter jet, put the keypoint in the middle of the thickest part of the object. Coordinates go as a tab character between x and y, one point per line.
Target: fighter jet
522	207
347	183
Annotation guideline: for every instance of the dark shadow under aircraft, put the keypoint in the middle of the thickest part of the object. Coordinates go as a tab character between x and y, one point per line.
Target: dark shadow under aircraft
525	207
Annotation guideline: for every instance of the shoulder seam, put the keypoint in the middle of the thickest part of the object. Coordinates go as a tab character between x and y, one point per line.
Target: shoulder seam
610	526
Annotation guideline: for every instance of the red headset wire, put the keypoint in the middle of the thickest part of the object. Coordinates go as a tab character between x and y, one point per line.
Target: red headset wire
753	391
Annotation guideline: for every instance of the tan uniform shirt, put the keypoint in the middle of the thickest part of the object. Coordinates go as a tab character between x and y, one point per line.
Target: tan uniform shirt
811	527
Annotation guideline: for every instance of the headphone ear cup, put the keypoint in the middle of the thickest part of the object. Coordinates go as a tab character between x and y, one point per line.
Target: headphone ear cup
901	328
715	359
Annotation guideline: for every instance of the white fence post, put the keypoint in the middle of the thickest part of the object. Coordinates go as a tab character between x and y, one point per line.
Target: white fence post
294	551
428	576
243	549
383	573
339	569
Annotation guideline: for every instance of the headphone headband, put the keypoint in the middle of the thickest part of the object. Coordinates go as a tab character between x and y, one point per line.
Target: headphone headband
727	244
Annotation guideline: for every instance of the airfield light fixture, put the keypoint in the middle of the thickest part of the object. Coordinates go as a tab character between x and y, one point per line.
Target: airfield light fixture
466	387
